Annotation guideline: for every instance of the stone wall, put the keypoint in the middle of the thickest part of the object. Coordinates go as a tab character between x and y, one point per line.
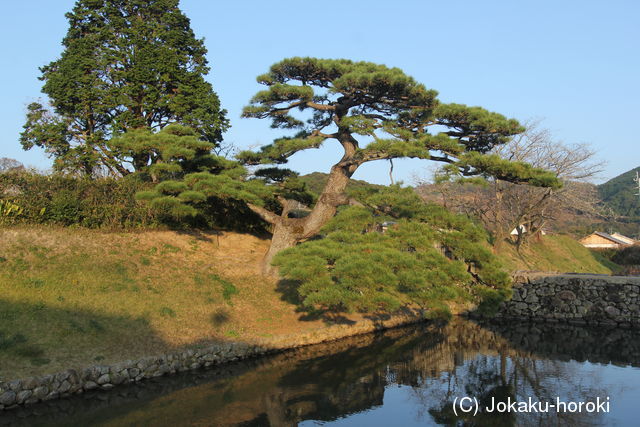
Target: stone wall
578	299
101	377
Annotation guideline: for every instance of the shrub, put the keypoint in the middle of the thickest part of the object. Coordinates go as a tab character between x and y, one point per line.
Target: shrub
9	212
66	200
107	203
629	255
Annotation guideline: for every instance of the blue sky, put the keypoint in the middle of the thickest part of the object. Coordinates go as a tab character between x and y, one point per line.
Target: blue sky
574	64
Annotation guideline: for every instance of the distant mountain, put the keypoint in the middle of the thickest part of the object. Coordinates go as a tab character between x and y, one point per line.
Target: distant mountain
621	194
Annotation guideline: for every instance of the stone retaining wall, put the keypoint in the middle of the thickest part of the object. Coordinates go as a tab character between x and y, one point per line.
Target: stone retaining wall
102	377
579	299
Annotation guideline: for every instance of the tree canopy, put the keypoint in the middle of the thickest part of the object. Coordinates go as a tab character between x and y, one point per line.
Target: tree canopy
132	64
10	165
401	117
373	112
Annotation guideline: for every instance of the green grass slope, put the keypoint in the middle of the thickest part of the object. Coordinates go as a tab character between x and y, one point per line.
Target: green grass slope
556	253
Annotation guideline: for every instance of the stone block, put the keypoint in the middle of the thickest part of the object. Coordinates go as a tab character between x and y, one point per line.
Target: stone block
612	311
8	398
41	392
65	386
103	379
30	383
566	295
90	385
23	395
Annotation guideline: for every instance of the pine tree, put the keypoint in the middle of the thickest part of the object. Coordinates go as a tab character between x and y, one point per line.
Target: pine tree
373	113
126	64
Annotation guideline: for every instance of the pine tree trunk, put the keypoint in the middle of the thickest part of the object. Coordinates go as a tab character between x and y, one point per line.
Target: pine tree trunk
332	196
283	237
287	232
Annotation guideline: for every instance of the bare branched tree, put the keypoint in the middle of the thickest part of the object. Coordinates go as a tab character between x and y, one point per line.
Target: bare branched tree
503	206
8	165
225	149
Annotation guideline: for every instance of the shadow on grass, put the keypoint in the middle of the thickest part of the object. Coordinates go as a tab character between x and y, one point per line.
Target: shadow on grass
220	317
288	290
38	337
201	235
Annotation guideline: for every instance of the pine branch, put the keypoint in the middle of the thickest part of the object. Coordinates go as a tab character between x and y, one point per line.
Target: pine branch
265	214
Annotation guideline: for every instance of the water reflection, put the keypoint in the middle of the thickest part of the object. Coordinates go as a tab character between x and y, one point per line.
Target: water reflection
404	376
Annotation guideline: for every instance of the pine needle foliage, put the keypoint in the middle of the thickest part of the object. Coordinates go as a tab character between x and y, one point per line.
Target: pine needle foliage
191	179
426	257
394	116
370	112
172	152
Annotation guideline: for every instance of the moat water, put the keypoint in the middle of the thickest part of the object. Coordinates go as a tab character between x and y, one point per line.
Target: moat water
564	375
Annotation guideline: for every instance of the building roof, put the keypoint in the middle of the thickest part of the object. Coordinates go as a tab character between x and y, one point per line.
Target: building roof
626	239
610	237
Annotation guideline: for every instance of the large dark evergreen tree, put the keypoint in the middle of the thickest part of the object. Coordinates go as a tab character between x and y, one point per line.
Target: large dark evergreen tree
127	64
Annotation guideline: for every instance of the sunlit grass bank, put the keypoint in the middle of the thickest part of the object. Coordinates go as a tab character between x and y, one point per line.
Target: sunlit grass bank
74	297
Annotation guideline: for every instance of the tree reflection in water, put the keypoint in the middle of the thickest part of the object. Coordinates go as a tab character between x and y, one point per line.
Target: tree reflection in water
502	373
434	364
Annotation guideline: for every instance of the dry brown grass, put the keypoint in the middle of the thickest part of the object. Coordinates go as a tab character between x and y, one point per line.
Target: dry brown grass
74	297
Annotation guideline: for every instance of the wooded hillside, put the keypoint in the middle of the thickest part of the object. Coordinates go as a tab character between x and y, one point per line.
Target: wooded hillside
621	194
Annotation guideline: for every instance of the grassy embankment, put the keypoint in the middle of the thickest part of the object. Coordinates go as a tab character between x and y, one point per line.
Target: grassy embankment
72	297
555	253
